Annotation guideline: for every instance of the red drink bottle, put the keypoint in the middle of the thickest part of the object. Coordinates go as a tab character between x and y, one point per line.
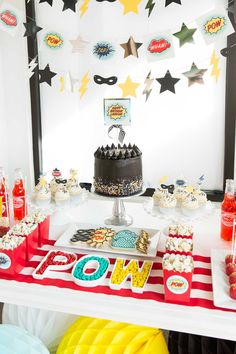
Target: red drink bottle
4	218
18	193
228	211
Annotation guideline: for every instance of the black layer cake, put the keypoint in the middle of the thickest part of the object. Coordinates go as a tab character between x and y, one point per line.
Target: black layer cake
118	170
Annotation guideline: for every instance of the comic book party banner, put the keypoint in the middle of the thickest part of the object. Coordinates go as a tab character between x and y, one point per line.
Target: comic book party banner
213	25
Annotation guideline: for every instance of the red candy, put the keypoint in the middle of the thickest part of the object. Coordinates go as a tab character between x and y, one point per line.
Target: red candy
232	278
232	291
50	260
229	259
230	268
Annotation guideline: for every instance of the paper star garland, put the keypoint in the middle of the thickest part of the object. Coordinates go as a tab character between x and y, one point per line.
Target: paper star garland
78	45
168	2
31	29
131	47
129	87
185	35
48	1
215	63
69	4
148	82
130	5
167	82
46	75
149	6
195	75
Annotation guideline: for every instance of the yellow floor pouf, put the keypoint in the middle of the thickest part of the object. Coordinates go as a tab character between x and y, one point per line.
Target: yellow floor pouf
95	336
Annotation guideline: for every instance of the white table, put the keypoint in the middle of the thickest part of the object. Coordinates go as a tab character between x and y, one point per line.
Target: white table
194	320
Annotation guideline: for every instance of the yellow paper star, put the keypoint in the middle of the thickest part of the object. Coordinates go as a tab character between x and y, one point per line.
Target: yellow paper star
130	5
129	87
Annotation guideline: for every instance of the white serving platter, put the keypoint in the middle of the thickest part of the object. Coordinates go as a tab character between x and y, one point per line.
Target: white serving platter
220	280
64	240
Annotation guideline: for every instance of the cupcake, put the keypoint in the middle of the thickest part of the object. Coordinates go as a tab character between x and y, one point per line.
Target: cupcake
190	205
53	184
43	193
167	203
180	194
73	184
201	196
62	194
158	194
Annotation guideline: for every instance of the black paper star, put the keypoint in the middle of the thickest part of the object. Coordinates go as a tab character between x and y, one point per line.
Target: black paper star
167	82
168	2
31	29
69	4
48	1
46	75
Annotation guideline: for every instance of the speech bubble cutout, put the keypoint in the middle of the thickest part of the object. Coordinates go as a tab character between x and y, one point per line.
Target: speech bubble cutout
116	112
215	25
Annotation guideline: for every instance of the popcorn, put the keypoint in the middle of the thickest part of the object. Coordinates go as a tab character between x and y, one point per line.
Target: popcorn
181	230
179	244
10	242
178	263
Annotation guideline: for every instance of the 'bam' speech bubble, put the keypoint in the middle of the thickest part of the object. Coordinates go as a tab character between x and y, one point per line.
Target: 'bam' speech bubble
116	111
215	25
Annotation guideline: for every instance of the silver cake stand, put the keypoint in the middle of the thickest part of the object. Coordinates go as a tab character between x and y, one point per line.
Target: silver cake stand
119	217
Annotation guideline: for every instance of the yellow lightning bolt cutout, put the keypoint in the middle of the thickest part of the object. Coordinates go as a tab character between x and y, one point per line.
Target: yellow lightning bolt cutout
215	62
84	7
83	88
62	82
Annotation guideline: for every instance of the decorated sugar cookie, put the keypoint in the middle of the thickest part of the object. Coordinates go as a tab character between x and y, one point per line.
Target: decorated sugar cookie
82	235
124	239
101	237
143	242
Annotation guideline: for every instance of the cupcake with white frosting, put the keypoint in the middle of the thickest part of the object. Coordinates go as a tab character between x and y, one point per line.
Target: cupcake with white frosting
190	205
201	197
73	185
180	194
158	194
43	193
62	194
167	203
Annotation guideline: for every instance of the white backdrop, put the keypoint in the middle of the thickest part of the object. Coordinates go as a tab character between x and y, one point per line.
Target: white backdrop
15	114
178	134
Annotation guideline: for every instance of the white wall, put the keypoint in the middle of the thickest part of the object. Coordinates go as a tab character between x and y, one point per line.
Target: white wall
187	138
15	115
178	134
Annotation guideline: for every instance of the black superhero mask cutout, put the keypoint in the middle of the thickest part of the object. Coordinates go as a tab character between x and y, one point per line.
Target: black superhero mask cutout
112	80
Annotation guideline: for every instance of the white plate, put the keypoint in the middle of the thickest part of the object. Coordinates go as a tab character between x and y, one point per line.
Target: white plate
64	240
178	214
220	280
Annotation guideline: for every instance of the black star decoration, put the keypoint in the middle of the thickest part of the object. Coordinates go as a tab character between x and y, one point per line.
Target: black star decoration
48	1
167	82
168	2
69	4
46	75
31	29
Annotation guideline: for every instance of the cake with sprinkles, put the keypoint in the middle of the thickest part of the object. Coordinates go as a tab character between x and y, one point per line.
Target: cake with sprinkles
118	170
